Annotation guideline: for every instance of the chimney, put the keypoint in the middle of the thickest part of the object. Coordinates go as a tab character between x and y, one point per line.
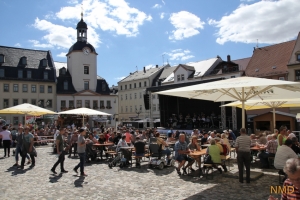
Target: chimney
144	69
228	58
156	66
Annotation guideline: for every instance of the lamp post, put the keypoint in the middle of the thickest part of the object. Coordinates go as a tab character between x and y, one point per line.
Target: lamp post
138	112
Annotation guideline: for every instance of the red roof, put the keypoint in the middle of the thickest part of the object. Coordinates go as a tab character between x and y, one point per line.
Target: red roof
270	60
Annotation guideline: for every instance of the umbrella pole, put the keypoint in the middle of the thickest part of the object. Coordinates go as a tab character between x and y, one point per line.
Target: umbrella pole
274	119
243	109
82	120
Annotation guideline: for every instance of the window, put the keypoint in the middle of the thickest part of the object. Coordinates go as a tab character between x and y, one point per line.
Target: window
121	97
28	74
49	89
79	104
15	120
24	60
297	75
2	58
44	62
33	101
102	104
71	104
178	77
129	86
49	103
145	84
63	71
140	84
95	104
135	95
20	73
125	87
86	85
25	88
86	69
130	96
15	102
126	96
281	78
16	88
121	87
130	108
42	89
298	57
65	85
108	104
63	104
1	73
126	108
134	85
33	88
182	77
5	103
87	103
153	96
154	107
45	75
24	101
103	86
140	95
5	88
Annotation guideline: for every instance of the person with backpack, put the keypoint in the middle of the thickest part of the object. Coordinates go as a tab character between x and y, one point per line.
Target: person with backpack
223	152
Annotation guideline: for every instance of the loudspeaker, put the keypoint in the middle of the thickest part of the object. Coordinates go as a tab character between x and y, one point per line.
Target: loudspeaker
146	101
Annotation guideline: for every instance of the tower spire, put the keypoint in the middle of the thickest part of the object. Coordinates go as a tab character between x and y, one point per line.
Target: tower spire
81	11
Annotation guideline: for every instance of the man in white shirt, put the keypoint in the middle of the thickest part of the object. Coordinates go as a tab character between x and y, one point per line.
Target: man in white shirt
284	153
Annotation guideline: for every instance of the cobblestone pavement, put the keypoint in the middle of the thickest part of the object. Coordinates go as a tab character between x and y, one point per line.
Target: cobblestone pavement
129	183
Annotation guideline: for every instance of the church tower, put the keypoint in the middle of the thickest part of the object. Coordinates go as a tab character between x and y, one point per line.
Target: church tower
82	60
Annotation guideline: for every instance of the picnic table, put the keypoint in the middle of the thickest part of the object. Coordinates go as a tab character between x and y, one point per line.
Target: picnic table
101	145
258	148
205	145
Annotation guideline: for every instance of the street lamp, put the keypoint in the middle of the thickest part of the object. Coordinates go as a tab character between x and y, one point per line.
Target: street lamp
138	112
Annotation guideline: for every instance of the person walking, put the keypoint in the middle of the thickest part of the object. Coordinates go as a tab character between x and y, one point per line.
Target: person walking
242	146
60	139
6	138
27	148
19	146
81	145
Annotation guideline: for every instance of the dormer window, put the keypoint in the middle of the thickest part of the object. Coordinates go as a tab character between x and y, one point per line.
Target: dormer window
24	60
298	57
178	77
44	62
63	71
1	73
65	85
182	77
45	75
28	74
2	58
103	86
20	73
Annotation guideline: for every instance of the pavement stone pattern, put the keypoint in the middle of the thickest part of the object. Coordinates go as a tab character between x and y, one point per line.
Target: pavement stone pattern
127	183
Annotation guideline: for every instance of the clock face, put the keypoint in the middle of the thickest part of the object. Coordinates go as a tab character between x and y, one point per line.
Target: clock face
86	51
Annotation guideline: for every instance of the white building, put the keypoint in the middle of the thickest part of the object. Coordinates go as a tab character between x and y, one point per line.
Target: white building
78	84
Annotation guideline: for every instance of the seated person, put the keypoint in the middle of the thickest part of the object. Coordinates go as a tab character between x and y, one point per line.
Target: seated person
101	140
164	150
253	140
262	138
222	156
284	153
117	138
224	140
295	146
212	136
139	147
195	133
194	146
204	138
181	149
214	151
271	148
143	136
93	139
111	138
125	152
231	135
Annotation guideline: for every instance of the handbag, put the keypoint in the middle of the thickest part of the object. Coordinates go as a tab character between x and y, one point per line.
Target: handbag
33	152
207	159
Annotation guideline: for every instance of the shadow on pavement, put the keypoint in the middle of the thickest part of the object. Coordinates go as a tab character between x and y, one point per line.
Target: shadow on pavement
54	178
78	182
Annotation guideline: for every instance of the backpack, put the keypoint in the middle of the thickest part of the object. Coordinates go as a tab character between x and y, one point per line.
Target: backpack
225	150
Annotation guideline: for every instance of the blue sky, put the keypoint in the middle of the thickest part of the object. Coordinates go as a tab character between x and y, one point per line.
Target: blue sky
131	34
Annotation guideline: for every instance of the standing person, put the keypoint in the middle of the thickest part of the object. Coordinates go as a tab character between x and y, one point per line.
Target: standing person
6	138
282	136
81	145
19	141
27	147
73	143
60	139
242	146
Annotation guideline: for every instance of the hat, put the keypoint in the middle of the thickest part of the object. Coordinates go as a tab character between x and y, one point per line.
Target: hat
82	129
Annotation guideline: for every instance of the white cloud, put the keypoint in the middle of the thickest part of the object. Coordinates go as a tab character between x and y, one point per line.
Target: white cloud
17	45
36	43
186	24
110	15
162	15
62	54
157	6
149	66
180	54
120	78
265	21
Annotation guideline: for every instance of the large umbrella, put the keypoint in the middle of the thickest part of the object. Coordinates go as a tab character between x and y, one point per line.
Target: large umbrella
241	88
83	112
263	104
26	109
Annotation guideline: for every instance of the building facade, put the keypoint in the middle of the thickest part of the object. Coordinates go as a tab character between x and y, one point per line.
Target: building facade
26	76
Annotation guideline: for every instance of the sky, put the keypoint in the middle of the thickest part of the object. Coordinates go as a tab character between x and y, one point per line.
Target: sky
131	34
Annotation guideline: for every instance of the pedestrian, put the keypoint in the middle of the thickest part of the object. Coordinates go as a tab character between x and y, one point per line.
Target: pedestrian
81	145
242	146
6	138
60	139
27	147
19	146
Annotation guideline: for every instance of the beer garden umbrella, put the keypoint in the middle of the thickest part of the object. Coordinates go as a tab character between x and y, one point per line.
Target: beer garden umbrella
263	104
240	88
83	112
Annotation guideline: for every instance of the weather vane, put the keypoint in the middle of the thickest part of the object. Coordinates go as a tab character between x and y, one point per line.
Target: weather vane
81	10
